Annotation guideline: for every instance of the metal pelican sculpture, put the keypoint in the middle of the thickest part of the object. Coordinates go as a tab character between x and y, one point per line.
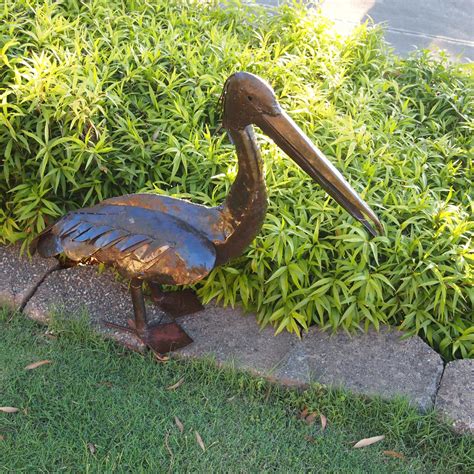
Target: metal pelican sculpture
168	241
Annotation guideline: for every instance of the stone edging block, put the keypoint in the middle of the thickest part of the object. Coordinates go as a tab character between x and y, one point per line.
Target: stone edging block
373	363
20	275
455	399
233	338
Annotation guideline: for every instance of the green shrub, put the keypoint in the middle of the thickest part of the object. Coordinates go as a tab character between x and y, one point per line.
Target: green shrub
100	99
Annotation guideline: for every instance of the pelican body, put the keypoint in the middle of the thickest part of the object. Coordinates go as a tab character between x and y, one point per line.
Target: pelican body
168	241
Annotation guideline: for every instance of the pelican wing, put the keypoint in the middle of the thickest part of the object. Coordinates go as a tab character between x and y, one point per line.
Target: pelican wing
208	220
139	242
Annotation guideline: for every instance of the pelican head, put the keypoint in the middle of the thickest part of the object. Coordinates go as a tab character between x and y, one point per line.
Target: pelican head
247	100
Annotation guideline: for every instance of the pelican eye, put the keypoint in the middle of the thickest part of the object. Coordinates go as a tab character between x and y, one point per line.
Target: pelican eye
249	97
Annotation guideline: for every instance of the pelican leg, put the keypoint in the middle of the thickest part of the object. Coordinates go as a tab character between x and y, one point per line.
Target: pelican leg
175	303
161	338
139	309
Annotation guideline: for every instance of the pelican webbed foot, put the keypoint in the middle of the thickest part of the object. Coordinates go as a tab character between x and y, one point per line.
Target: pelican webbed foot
160	338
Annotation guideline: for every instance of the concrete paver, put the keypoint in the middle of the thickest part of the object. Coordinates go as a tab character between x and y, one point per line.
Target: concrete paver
373	363
455	398
232	338
20	275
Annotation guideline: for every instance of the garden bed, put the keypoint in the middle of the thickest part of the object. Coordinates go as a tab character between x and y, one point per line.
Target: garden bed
99	100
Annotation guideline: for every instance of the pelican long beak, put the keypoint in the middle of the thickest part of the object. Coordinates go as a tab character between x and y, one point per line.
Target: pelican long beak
291	139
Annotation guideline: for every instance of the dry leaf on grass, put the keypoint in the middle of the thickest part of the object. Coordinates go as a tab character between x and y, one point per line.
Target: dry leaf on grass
310	439
2	438
267	395
179	424
368	441
35	365
91	447
176	385
394	454
9	410
303	414
324	422
168	446
160	357
310	418
200	441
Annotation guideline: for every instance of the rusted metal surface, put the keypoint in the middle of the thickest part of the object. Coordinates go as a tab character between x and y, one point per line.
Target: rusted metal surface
175	242
161	338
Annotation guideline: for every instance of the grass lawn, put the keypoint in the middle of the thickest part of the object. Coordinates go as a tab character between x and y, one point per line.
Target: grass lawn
100	408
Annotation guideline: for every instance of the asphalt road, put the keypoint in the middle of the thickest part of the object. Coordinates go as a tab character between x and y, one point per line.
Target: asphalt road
410	24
